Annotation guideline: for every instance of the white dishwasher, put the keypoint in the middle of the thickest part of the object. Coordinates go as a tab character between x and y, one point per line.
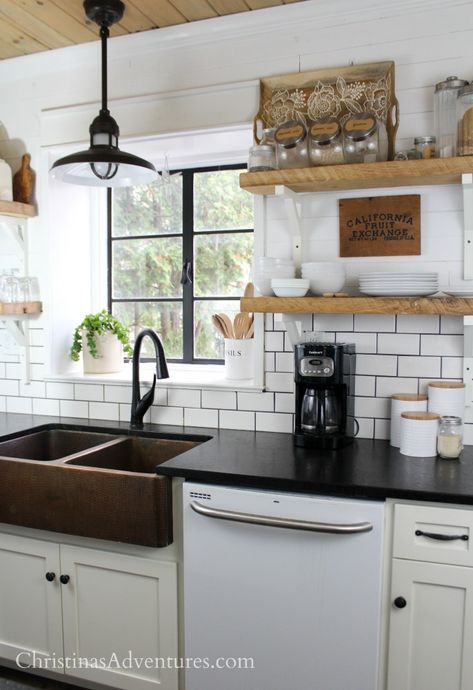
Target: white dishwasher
281	590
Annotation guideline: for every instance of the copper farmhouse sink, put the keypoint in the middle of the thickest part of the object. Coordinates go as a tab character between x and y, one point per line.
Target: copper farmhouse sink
91	483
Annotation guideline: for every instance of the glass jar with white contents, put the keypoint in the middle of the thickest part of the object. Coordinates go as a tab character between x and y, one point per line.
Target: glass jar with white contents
326	142
450	437
361	138
291	145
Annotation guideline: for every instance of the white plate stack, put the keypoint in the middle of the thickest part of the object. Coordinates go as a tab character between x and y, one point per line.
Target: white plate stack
404	402
447	398
419	434
398	284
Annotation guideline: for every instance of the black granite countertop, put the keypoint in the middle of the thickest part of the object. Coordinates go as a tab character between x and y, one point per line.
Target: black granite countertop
366	469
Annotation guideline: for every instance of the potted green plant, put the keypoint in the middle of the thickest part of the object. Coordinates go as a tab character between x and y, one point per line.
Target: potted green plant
103	340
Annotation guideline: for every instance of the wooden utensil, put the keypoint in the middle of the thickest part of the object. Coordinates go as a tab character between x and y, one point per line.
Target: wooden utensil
218	325
228	325
241	325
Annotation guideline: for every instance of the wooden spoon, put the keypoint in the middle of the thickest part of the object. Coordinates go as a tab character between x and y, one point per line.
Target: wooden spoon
218	325
241	325
228	325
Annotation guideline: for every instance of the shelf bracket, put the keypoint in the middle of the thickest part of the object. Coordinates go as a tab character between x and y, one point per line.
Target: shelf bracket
16	228
467	187
468	359
294	214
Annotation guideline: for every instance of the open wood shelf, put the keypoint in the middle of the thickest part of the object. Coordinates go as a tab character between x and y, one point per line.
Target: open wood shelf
459	306
17	209
360	176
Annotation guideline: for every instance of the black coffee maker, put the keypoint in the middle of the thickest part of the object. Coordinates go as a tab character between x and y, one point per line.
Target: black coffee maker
325	388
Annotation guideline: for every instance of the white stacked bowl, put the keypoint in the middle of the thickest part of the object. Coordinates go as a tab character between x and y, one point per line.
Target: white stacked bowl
404	402
265	268
324	276
447	398
419	434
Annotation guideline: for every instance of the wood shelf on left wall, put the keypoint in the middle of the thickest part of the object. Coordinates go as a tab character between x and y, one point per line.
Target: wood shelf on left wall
17	210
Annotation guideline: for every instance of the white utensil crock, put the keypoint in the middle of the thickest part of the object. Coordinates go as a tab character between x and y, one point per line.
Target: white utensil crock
239	358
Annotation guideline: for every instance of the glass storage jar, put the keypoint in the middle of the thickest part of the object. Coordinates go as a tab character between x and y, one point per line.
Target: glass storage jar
261	158
450	437
291	145
361	138
465	121
445	116
326	142
425	146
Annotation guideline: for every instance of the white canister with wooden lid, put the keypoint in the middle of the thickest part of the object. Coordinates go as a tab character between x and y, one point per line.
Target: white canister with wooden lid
404	402
419	434
447	398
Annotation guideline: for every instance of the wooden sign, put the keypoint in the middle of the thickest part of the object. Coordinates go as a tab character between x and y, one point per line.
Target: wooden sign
380	226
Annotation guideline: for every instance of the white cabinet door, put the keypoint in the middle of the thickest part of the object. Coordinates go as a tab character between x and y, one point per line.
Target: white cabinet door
431	637
116	607
30	605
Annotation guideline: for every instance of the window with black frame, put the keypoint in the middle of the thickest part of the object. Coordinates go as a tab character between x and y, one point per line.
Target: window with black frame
180	250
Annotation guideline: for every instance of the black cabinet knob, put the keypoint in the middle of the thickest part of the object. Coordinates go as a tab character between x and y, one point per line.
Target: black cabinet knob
400	602
64	579
50	577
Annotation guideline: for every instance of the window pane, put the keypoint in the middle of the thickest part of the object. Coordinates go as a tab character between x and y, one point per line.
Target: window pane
208	343
147	268
153	209
164	317
222	263
219	203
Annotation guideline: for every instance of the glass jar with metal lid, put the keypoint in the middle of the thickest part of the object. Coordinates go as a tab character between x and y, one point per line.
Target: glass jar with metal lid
465	121
326	142
291	145
425	146
361	138
450	437
445	116
261	158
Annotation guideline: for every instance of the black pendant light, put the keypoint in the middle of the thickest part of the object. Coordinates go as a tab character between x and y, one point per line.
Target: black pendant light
103	164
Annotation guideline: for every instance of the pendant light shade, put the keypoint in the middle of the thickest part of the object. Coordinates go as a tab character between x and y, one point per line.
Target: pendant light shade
103	164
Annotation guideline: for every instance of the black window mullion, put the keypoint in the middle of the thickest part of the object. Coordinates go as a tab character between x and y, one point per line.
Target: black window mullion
188	256
109	248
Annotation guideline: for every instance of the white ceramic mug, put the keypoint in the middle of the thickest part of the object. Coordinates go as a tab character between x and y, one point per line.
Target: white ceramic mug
239	358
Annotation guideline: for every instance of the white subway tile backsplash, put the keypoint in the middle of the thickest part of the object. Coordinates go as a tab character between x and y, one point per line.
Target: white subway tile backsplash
118	394
285	402
398	344
125	412
219	400
365	385
178	397
89	391
46	406
376	365
103	410
20	405
372	407
376	323
35	389
452	367
73	408
268	322
237	420
61	391
269	421
260	402
364	342
388	385
419	366
269	361
9	387
37	337
366	428
452	325
282	383
382	429
442	345
274	341
333	322
167	415
13	370
420	323
199	417
284	361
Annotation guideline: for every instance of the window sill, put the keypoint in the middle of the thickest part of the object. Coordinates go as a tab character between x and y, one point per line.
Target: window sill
208	376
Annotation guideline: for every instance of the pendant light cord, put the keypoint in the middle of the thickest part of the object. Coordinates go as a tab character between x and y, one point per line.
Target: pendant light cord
104	34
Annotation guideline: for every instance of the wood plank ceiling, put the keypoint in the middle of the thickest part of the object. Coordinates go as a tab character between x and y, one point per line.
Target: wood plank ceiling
32	26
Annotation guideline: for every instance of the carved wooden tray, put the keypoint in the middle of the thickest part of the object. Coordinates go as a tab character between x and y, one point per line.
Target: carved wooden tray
336	92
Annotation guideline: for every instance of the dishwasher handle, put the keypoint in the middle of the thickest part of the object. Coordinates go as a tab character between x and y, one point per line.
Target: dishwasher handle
285	523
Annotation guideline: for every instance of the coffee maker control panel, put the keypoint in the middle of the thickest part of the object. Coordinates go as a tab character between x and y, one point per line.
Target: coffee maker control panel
316	366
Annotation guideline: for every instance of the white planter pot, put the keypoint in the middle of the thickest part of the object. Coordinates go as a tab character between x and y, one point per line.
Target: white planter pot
110	359
239	358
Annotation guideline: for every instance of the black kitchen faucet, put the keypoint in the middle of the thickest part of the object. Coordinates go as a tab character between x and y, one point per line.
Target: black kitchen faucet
139	406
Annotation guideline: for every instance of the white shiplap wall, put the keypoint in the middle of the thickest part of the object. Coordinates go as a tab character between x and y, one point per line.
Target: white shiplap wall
205	75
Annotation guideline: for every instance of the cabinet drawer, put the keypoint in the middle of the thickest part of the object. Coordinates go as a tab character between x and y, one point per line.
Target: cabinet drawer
414	524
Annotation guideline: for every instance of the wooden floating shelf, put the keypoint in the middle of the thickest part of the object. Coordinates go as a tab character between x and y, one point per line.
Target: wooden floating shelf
331	178
459	306
20	310
17	210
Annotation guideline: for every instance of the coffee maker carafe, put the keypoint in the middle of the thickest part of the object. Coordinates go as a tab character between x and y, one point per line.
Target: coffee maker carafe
325	377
